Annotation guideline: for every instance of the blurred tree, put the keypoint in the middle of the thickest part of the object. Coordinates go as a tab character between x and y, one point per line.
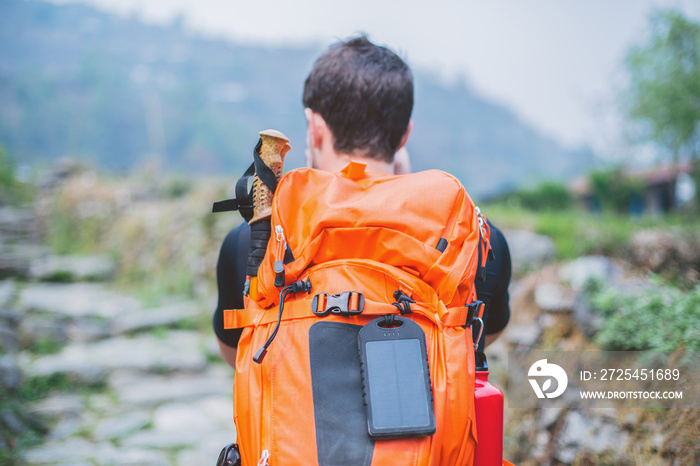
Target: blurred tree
664	92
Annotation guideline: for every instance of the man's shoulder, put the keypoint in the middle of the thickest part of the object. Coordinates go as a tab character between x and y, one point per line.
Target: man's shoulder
499	244
237	241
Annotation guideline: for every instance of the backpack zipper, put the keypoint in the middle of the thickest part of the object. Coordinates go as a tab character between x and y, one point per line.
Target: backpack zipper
279	257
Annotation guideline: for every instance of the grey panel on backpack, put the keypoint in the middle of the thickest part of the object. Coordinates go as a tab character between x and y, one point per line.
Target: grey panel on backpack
339	411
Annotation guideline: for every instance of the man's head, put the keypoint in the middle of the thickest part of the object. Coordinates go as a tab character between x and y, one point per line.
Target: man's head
363	94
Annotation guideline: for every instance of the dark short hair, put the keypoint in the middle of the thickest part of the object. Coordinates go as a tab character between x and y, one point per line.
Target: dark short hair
364	92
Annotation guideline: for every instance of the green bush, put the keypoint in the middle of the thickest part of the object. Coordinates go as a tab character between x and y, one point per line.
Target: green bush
663	318
546	196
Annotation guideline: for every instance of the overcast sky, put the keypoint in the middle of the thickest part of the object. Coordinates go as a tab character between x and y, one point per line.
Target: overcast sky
557	64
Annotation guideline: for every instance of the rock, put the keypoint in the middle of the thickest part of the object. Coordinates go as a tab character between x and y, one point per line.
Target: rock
63	170
35	329
75	300
165	316
67	428
89	329
121	425
9	343
10	375
207	452
652	248
667	250
73	268
18	225
16	259
552	297
548	417
206	422
583	269
178	351
136	457
155	390
588	322
78	452
528	250
59	407
524	334
588	434
8	292
75	367
11	421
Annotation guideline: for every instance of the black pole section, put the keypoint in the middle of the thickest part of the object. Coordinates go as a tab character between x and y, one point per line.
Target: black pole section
259	237
480	359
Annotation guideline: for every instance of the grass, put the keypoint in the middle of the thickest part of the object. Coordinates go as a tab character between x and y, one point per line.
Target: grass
38	388
578	233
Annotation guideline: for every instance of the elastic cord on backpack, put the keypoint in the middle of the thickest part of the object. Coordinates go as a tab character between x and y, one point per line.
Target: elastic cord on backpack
296	287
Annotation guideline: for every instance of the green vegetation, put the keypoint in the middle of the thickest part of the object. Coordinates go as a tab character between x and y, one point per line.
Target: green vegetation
548	195
614	190
12	190
664	91
576	232
663	318
665	83
46	345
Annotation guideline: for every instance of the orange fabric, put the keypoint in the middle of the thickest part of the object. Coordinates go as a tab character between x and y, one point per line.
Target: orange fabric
371	234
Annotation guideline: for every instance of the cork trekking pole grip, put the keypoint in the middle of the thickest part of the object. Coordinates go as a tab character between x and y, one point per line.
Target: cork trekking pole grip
269	157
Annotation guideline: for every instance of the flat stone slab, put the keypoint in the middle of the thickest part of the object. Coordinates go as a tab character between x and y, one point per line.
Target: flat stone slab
120	425
207	422
73	268
76	300
552	297
165	316
177	351
8	291
59	407
524	334
78	452
155	390
528	249
583	269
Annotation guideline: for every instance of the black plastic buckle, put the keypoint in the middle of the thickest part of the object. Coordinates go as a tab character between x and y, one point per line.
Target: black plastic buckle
473	312
339	304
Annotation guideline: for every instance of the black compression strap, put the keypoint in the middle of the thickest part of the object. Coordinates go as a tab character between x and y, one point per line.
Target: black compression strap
259	237
243	202
265	173
244	195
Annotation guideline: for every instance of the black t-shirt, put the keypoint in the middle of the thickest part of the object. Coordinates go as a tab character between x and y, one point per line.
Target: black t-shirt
231	275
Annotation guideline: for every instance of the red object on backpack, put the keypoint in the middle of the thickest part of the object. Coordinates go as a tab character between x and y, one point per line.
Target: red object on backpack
489	421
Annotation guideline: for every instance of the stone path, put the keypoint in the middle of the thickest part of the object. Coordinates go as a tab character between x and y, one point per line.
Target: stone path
129	385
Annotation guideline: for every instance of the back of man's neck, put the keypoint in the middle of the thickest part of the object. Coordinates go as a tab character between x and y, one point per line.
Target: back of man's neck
373	165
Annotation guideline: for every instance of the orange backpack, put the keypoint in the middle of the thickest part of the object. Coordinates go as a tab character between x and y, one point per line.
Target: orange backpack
350	247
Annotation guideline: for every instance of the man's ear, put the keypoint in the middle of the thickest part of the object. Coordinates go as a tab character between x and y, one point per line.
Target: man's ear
404	138
315	128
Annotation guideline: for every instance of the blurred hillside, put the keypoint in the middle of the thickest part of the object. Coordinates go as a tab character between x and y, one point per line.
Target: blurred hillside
79	82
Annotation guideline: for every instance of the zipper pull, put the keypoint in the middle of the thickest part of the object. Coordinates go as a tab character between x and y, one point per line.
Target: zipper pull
279	234
485	251
480	218
279	263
